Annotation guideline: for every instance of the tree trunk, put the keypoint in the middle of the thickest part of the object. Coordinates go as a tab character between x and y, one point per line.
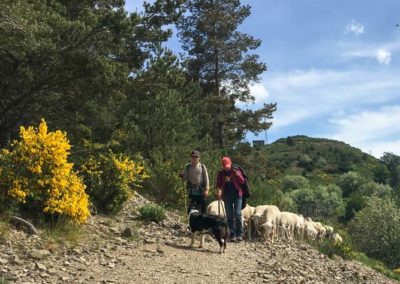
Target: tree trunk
220	123
221	140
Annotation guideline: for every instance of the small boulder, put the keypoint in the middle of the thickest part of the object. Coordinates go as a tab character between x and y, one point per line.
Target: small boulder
39	253
127	233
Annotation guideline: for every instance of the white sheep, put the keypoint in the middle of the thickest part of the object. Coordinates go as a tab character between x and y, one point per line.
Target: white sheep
257	218
329	231
321	230
270	227
247	213
337	239
212	209
310	231
299	226
287	224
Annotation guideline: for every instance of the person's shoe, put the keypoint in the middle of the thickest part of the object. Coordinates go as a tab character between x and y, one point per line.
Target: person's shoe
239	239
233	240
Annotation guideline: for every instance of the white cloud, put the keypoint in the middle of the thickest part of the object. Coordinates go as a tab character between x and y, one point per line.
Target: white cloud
259	92
309	94
383	56
380	52
355	27
373	131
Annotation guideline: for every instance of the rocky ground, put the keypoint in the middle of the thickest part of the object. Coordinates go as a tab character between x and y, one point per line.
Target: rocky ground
125	250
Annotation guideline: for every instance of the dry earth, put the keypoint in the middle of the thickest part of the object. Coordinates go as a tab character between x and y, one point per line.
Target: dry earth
124	250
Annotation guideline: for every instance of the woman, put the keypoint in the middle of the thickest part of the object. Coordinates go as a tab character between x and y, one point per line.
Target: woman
229	188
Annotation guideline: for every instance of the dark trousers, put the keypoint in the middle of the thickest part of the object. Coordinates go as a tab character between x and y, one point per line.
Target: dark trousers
233	208
198	202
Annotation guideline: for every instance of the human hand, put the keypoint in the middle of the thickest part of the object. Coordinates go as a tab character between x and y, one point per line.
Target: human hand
206	193
218	194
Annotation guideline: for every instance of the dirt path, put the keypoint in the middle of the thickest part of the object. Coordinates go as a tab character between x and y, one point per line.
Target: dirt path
243	262
153	253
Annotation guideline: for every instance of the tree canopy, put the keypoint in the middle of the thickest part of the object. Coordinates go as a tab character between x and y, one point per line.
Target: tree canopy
218	56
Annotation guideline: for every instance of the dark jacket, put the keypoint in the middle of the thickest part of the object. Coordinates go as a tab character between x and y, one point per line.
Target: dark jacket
237	180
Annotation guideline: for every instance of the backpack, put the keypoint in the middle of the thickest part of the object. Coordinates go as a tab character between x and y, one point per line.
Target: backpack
245	185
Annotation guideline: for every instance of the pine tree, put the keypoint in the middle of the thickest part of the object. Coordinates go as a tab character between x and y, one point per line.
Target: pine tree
218	57
69	61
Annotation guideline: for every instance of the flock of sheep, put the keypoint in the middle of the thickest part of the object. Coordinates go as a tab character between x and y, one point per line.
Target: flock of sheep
268	222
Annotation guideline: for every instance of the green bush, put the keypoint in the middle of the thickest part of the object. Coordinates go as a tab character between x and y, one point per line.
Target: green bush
292	182
111	179
375	231
328	248
350	182
164	185
357	198
286	203
322	202
3	280
306	162
264	192
152	212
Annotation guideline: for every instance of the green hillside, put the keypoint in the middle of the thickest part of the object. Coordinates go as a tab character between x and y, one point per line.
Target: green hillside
320	178
320	160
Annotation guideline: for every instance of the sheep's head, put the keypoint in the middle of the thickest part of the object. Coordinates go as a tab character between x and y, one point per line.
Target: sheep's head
245	222
256	221
282	231
267	228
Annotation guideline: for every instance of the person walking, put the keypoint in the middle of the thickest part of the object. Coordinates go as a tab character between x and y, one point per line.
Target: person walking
229	189
196	177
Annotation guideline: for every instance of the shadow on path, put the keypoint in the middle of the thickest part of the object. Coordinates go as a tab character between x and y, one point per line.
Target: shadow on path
195	249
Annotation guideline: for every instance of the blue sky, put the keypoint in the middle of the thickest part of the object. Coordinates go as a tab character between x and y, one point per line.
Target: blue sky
333	69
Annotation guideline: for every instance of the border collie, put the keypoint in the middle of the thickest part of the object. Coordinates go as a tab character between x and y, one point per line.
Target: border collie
213	225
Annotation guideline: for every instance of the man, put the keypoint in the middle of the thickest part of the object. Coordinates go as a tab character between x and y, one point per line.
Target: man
196	176
229	188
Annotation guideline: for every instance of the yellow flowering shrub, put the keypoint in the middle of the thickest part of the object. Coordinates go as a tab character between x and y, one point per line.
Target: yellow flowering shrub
36	172
111	179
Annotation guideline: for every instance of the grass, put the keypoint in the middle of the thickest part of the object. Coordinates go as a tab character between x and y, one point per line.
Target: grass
152	212
376	265
345	251
4	227
4	230
63	233
3	280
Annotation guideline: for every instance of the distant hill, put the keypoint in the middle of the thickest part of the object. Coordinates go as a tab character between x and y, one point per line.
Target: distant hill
320	160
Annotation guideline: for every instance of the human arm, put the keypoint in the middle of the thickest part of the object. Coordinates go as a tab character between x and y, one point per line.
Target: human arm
185	173
238	176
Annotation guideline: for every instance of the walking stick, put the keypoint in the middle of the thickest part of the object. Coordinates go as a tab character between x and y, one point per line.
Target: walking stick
185	199
219	207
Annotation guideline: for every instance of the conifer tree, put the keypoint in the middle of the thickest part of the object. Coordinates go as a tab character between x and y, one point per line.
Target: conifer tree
218	56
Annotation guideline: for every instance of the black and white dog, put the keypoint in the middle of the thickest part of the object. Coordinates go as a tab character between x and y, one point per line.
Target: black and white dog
208	224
